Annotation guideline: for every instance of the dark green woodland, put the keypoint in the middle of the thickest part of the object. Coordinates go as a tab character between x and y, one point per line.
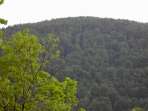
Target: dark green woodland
108	58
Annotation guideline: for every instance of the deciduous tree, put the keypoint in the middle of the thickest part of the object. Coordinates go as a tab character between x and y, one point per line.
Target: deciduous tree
24	86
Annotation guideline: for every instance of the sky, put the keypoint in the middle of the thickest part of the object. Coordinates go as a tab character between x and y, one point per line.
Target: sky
30	11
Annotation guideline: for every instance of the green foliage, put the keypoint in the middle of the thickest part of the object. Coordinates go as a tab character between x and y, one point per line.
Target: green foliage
81	109
2	21
24	86
137	109
109	58
1	1
51	54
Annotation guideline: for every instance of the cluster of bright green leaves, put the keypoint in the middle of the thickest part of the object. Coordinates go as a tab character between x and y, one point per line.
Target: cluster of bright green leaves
50	54
81	109
137	109
2	21
24	86
1	1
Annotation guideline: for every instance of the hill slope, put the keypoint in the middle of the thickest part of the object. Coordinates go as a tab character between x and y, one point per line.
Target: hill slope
108	57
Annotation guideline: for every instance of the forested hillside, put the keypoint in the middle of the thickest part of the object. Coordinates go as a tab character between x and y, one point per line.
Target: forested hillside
109	58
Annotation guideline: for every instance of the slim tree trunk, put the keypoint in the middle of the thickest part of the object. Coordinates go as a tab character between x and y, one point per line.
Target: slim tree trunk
23	107
5	108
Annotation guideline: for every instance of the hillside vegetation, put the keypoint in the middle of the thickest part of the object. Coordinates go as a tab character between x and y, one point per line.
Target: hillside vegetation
109	58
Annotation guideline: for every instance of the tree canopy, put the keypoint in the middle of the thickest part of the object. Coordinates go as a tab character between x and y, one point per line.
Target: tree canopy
107	57
24	85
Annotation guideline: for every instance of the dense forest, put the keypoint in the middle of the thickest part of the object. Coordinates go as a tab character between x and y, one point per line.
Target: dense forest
108	58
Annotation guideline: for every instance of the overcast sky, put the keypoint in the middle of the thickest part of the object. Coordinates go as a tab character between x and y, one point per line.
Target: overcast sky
26	11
